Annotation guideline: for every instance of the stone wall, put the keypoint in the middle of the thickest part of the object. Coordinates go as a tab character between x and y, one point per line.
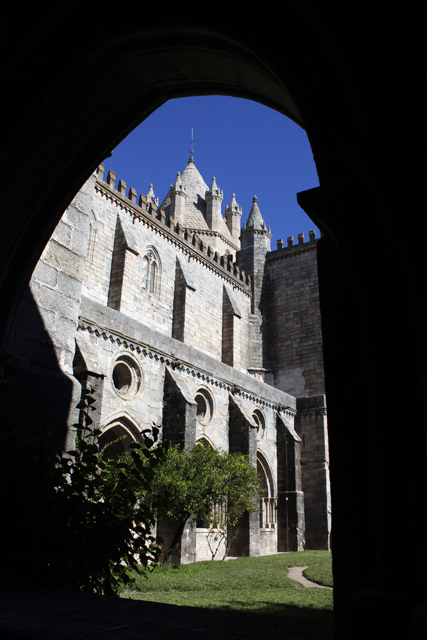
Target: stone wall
106	335
267	542
203	550
295	322
311	426
131	305
169	368
125	234
42	345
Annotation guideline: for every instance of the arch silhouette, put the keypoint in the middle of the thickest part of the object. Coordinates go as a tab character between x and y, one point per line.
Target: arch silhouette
60	123
195	61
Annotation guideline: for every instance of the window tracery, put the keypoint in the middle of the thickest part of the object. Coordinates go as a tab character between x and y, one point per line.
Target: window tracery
259	419
150	272
205	406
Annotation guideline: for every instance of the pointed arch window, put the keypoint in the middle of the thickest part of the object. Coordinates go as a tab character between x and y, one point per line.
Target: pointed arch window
150	271
268	503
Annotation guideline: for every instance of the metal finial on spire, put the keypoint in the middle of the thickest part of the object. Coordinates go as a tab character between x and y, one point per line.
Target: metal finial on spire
192	149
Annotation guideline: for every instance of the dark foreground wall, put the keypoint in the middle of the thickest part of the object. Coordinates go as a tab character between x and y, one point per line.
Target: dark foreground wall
351	75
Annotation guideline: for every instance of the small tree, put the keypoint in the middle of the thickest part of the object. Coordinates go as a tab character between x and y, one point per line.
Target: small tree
241	491
204	484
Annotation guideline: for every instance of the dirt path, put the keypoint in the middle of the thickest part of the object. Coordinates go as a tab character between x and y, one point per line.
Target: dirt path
296	573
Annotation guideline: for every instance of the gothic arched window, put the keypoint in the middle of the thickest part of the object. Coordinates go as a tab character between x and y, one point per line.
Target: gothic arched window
268	503
150	272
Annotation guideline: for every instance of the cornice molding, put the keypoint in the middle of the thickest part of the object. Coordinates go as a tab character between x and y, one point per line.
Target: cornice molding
211	232
186	368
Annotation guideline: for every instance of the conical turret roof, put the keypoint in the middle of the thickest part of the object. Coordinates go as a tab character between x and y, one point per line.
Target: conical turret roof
255	220
233	206
151	196
195	206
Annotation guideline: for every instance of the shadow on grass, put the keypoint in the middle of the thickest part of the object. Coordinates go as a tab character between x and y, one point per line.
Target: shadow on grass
277	609
51	614
257	608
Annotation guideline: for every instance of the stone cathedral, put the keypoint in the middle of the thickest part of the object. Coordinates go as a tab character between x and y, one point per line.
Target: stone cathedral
182	316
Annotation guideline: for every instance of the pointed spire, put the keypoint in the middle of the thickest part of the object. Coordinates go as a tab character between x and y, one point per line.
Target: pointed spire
179	186
255	220
214	197
233	215
178	195
233	207
214	191
151	196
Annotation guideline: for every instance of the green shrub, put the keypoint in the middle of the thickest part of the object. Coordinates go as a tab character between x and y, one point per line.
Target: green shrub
75	521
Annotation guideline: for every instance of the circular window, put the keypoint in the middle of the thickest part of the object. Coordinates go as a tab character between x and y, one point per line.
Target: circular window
122	377
260	423
126	377
204	406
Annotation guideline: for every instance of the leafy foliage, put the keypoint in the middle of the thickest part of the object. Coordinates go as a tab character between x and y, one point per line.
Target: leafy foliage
206	485
79	517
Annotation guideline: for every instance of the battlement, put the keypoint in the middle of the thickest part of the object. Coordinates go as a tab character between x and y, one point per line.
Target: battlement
147	210
293	249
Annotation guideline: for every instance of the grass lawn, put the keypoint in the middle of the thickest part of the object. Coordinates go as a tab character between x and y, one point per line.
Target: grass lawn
258	585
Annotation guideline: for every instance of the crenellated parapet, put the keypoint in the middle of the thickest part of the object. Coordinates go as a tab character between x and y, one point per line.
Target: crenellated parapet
145	210
292	249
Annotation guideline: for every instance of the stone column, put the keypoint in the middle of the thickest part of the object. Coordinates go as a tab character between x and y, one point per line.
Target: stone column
242	439
179	427
290	498
184	285
311	426
231	317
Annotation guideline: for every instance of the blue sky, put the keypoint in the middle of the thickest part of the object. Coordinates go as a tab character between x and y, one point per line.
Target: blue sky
250	149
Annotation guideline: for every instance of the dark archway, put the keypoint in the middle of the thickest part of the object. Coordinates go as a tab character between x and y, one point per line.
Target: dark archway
76	87
117	436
